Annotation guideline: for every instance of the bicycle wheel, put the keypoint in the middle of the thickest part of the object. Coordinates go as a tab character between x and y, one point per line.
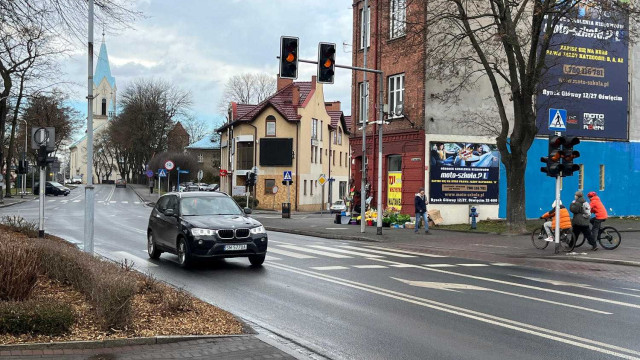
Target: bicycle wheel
579	241
567	243
609	238
538	238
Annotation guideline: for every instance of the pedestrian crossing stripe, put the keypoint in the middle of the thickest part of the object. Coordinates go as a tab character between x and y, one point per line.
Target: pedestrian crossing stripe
557	119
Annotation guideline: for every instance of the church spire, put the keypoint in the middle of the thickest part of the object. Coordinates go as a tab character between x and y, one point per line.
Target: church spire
103	70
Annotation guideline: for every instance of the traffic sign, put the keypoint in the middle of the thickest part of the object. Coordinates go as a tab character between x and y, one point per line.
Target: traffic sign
322	180
169	165
287	175
557	119
149	173
200	174
183	171
162	173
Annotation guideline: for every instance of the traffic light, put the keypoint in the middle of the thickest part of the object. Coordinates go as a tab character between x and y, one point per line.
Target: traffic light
569	154
553	161
42	156
288	57
326	62
250	179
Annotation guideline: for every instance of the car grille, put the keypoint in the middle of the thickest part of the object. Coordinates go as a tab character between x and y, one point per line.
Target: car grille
225	234
242	233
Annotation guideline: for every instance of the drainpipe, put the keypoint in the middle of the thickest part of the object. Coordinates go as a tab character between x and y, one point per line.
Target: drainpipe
330	182
297	157
255	156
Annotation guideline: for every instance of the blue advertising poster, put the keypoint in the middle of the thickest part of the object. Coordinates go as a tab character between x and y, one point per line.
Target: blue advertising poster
587	73
463	173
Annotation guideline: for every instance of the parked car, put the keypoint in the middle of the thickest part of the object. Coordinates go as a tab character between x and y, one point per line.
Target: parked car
202	186
52	188
212	187
338	207
121	183
204	225
76	180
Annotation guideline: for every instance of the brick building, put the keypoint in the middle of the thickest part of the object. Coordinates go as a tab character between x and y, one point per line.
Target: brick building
404	92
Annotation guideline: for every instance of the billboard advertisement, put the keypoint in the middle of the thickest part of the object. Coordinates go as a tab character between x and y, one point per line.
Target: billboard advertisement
394	190
464	173
587	74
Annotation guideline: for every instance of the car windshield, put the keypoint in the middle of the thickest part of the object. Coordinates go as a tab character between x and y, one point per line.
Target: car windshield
217	205
339	202
55	183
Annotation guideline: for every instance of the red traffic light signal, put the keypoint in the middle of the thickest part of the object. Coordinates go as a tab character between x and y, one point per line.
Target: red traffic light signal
288	57
326	62
559	162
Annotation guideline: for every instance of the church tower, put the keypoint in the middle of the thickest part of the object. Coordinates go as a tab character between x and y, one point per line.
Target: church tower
104	89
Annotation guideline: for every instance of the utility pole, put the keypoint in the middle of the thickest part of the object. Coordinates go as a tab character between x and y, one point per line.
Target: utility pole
380	123
88	190
363	180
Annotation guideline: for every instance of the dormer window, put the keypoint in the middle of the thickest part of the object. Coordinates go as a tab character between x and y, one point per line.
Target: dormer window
270	126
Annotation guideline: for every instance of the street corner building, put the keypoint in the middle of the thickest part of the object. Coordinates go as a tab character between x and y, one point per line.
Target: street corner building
293	130
449	148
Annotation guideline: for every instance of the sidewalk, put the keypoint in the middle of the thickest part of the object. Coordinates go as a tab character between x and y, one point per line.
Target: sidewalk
16	199
143	193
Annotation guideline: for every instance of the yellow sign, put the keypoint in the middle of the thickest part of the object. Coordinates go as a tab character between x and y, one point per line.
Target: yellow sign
394	190
322	179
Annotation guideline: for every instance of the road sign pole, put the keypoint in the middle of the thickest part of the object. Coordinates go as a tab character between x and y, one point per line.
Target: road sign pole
41	197
178	180
168	181
88	191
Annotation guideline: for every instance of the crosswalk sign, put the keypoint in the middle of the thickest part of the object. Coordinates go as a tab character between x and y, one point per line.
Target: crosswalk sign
287	175
557	119
162	173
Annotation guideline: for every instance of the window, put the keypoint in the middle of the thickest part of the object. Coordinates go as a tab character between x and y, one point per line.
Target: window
335	137
311	187
320	155
340	158
314	129
321	128
334	157
601	177
342	189
312	148
270	126
365	28
268	185
398	17
200	158
305	187
363	108
245	155
315	154
346	159
581	178
339	136
104	107
395	163
396	95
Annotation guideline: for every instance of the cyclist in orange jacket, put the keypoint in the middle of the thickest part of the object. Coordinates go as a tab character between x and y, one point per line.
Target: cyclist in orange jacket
565	220
600	212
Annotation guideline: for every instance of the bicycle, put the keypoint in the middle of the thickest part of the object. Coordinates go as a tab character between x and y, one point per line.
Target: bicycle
539	235
608	237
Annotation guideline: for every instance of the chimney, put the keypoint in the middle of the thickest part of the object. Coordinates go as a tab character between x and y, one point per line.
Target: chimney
314	80
295	95
282	83
332	106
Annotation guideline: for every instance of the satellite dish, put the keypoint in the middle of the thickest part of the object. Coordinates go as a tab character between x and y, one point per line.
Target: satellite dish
399	109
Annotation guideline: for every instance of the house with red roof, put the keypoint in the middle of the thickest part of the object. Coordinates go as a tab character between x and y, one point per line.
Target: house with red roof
293	130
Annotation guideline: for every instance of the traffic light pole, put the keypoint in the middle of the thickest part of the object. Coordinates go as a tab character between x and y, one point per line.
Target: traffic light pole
41	185
557	233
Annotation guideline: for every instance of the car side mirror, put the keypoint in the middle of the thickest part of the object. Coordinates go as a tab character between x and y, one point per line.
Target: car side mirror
169	212
247	211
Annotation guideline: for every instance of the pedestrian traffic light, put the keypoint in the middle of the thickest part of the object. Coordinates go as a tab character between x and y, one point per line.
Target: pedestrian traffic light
250	179
569	154
288	57
326	62
553	161
42	156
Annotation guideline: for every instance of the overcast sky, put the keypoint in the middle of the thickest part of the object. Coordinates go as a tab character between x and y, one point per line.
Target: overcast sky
199	44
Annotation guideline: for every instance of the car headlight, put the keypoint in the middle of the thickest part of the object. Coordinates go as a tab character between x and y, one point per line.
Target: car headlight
258	230
202	232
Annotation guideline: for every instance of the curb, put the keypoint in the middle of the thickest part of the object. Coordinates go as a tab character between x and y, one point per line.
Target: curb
99	344
592	260
322	235
15	203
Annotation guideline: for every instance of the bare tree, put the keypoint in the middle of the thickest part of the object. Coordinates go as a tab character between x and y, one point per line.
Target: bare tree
247	89
196	128
502	44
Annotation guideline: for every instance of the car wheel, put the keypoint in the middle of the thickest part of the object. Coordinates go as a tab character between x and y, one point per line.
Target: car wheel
257	260
152	250
66	194
184	254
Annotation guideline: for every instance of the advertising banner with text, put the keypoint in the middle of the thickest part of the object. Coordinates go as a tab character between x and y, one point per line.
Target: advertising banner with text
464	173
394	190
587	74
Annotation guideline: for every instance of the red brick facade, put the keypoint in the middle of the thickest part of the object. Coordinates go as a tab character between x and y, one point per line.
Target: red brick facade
404	135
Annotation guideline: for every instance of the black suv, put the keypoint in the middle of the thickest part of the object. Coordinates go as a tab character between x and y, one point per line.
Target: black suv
52	188
204	225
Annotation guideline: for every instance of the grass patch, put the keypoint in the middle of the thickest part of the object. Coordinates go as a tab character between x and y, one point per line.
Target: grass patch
491	226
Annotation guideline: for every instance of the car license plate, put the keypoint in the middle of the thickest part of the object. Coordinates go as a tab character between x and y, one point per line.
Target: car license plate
235	247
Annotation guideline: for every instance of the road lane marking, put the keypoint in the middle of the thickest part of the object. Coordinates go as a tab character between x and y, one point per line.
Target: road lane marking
272	258
112	202
370	266
136	202
584	286
342	251
549	334
124	202
405	251
608	301
472	265
502	264
76	201
456	287
323	268
100	201
440	265
136	260
631	289
386	253
290	253
402	265
64	201
317	252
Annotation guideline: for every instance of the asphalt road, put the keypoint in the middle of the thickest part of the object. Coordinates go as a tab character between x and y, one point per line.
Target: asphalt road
357	300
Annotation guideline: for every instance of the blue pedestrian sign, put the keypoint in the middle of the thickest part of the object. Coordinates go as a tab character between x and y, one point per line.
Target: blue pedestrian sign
558	119
162	173
287	175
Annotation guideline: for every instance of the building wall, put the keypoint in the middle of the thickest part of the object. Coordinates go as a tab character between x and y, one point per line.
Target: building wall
209	158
